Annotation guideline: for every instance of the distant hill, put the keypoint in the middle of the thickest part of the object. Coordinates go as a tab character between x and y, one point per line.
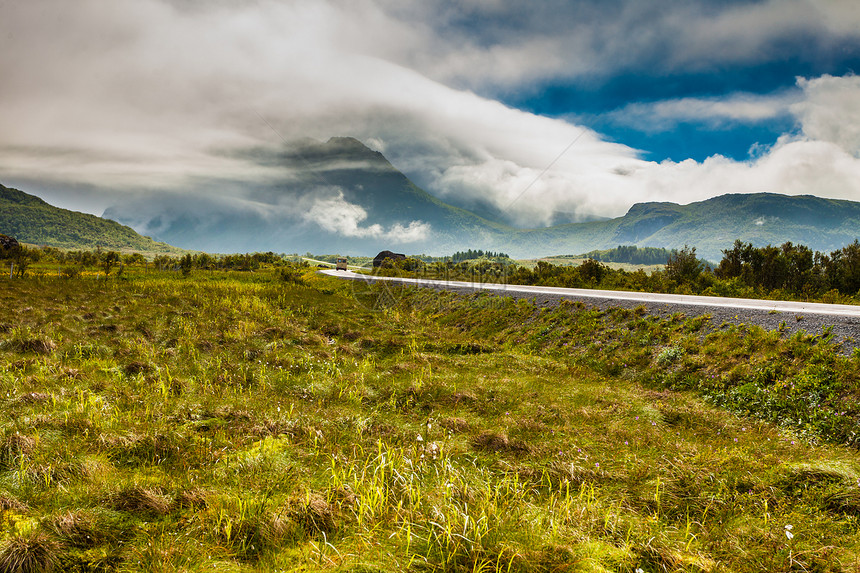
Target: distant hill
711	226
32	220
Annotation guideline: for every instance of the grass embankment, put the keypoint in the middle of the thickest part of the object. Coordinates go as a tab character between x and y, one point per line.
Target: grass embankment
235	422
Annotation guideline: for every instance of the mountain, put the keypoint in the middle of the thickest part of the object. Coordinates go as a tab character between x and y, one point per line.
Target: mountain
711	226
338	196
366	178
31	220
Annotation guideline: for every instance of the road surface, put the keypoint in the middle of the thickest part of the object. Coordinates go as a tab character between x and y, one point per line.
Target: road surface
798	308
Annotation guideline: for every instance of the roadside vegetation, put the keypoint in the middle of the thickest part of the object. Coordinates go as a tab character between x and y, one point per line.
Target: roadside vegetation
225	420
788	272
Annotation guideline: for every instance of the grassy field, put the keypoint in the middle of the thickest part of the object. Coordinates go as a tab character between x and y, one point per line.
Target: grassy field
244	422
566	261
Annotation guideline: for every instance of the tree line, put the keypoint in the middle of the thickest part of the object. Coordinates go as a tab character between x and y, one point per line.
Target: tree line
631	254
789	271
794	269
477	254
113	262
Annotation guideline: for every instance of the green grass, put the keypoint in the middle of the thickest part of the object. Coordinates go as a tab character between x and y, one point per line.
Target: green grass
575	261
238	422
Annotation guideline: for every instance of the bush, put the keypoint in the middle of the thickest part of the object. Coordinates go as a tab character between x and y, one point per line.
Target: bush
292	275
683	266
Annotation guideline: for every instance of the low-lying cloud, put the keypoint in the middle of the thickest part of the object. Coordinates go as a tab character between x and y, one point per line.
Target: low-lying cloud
336	215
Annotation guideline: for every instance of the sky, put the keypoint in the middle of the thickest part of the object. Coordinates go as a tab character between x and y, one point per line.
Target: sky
578	107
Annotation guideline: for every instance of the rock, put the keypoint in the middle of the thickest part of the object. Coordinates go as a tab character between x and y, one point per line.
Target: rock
378	260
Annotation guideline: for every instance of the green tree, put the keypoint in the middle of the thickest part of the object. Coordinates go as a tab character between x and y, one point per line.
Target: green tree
592	271
109	260
683	267
185	264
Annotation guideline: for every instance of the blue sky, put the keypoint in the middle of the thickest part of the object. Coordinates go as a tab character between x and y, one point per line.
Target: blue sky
593	104
536	108
802	47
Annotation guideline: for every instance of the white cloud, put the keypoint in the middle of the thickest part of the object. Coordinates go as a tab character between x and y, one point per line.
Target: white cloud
792	167
713	112
502	45
830	110
134	94
336	215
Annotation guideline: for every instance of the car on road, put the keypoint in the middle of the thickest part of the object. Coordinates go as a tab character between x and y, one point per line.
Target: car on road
340	265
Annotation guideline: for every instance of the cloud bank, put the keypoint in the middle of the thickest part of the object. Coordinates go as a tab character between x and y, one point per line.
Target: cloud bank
131	97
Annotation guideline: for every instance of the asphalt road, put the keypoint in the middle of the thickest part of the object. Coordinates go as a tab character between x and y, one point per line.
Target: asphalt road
801	308
842	321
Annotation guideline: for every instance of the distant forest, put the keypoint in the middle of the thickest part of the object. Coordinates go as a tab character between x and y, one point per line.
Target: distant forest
479	254
630	254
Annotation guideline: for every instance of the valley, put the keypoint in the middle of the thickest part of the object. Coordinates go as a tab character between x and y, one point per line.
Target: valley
340	196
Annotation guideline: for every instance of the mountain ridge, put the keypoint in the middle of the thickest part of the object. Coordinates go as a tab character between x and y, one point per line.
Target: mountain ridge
32	220
340	196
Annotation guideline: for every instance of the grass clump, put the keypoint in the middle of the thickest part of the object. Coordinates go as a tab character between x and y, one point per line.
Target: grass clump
32	552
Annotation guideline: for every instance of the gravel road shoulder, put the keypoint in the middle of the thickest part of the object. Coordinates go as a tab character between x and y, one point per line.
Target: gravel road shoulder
845	330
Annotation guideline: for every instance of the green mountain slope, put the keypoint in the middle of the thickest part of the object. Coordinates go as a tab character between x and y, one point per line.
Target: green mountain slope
32	220
710	226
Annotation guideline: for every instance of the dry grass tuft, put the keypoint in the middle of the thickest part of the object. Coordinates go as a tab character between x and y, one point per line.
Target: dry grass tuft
13	447
315	516
466	398
78	529
38	345
455	425
846	501
135	368
8	503
499	442
31	553
191	498
140	500
33	398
